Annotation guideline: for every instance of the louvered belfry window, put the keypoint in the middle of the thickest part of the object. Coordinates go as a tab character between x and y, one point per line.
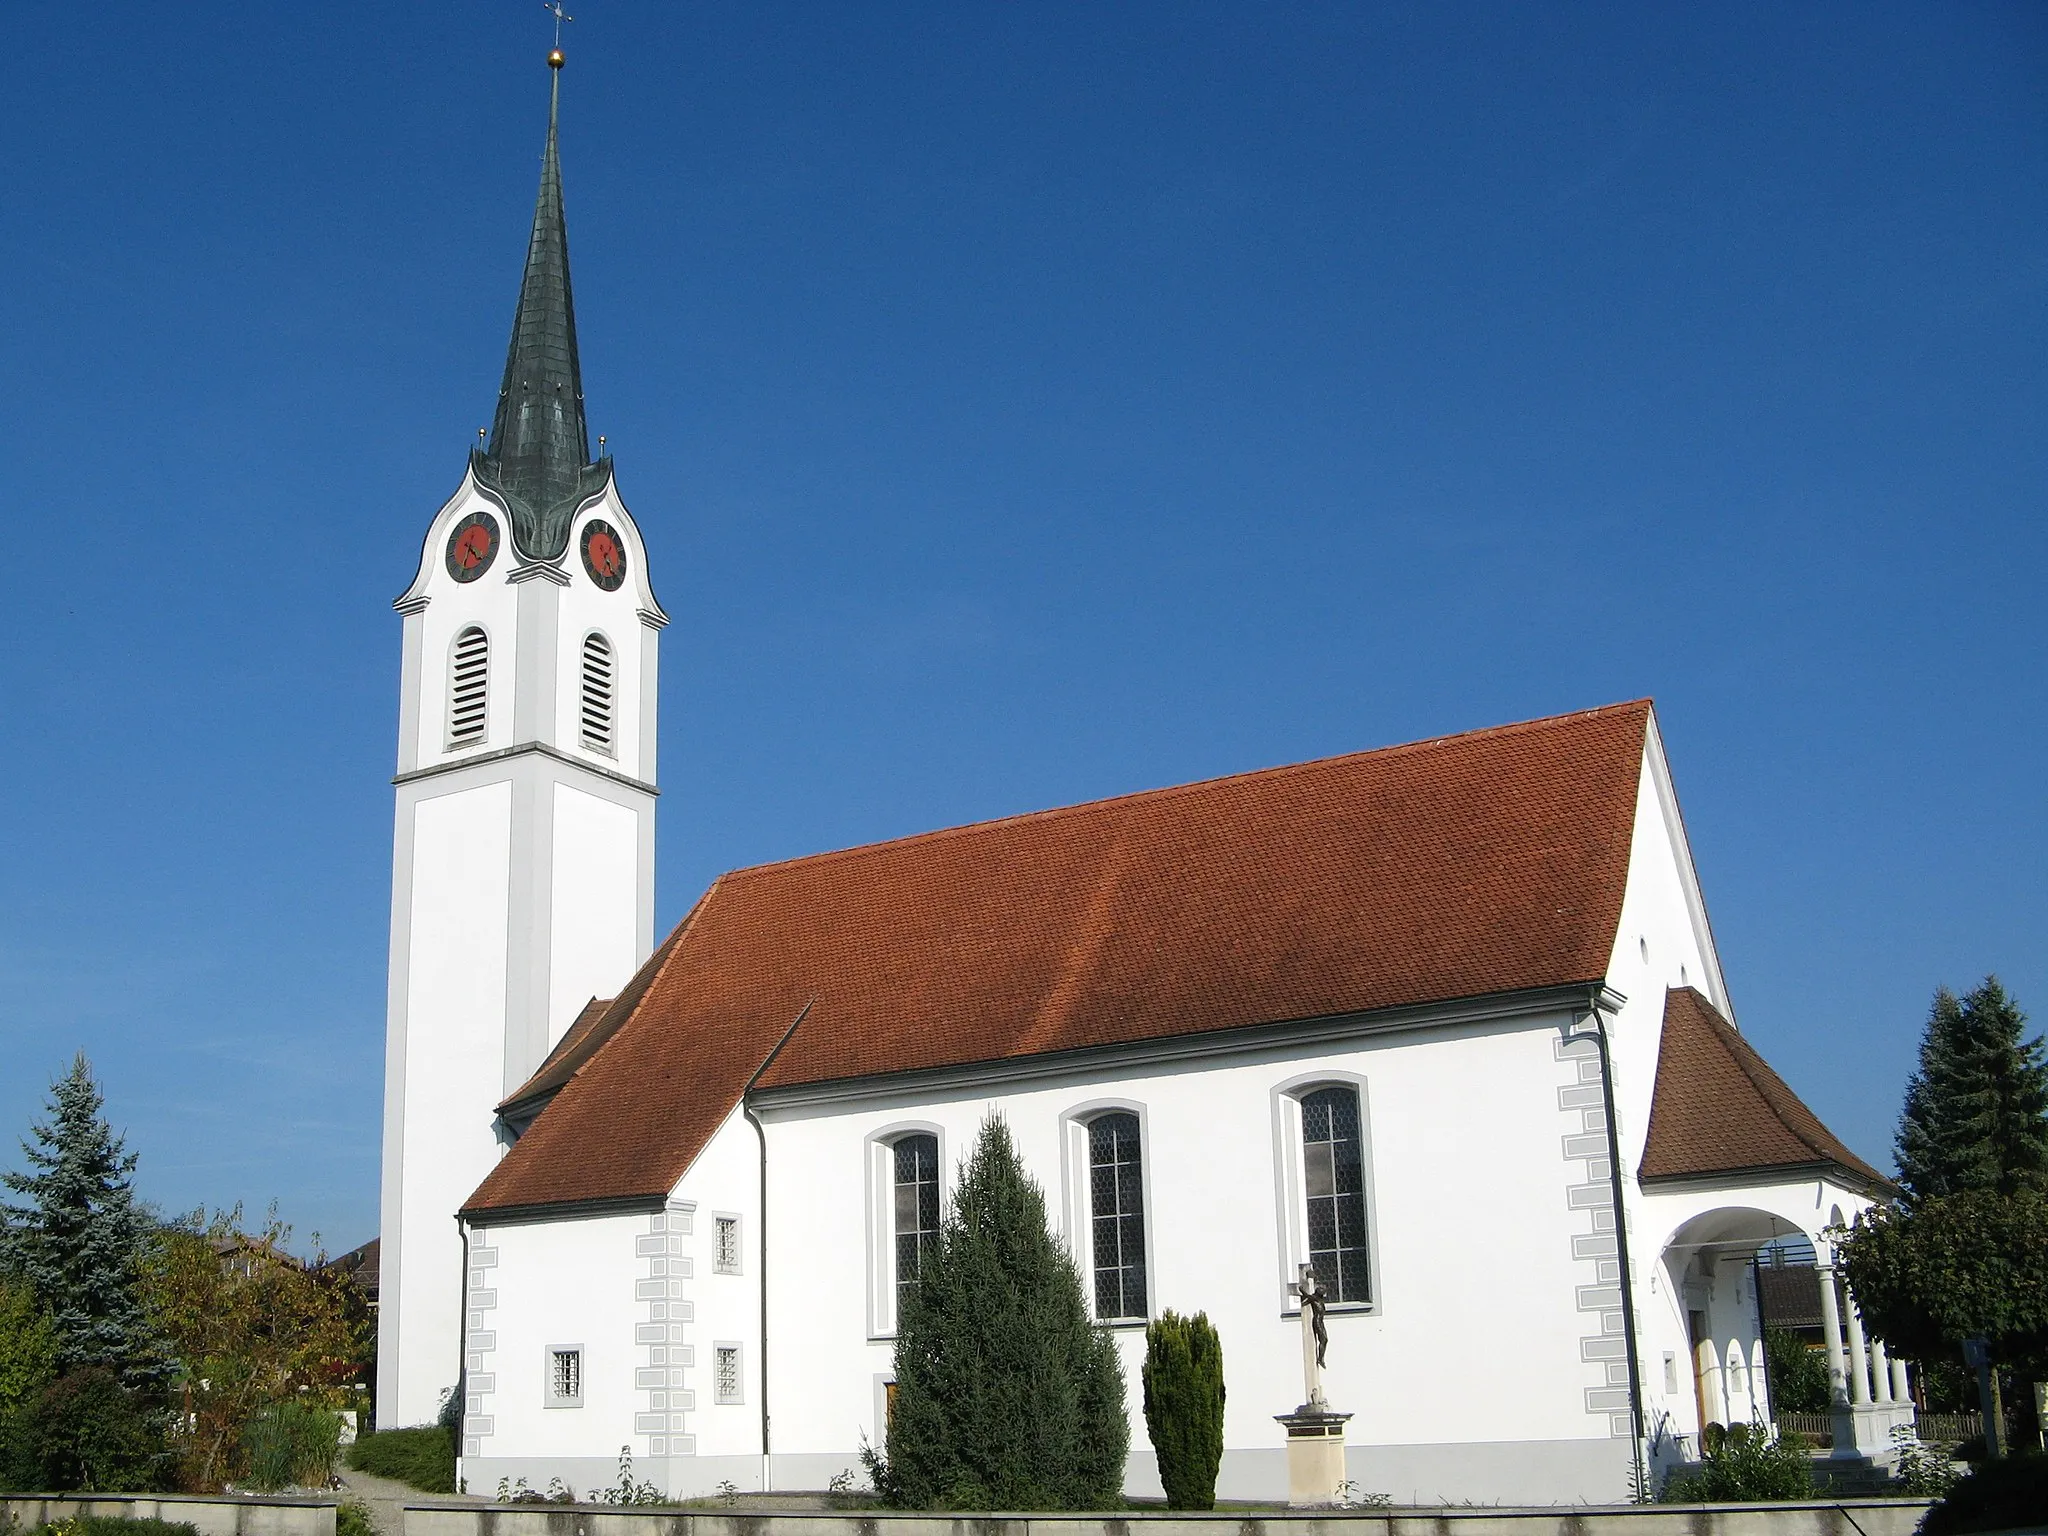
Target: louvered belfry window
469	689
597	693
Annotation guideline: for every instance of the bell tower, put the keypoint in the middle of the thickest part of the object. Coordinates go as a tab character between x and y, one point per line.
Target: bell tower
523	852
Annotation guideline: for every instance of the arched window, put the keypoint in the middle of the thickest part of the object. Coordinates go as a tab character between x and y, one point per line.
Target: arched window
597	692
1333	1182
469	689
1116	1194
916	1208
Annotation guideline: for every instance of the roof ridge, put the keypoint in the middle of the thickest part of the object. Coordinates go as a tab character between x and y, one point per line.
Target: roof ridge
1174	791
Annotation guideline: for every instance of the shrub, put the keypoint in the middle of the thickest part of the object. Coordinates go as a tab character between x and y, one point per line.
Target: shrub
1184	1407
112	1525
1007	1395
290	1444
422	1458
2000	1495
85	1432
1744	1463
1799	1375
352	1518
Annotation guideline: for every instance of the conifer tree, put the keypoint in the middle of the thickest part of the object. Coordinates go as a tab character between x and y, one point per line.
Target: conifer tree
1976	1113
1007	1395
1184	1407
77	1240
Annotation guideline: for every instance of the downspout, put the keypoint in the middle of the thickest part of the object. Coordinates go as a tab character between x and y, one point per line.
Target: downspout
462	1351
747	1109
1628	1289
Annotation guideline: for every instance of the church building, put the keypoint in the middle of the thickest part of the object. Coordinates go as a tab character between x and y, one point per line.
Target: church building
1444	1022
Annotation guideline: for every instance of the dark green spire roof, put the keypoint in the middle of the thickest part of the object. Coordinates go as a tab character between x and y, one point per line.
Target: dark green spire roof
538	461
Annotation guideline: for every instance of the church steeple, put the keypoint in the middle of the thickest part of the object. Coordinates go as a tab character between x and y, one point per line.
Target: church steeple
538	460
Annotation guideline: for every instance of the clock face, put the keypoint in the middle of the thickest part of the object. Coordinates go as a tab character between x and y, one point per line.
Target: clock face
604	555
472	546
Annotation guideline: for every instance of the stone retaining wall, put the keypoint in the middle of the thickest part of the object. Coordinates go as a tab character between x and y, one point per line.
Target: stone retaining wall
1844	1517
210	1516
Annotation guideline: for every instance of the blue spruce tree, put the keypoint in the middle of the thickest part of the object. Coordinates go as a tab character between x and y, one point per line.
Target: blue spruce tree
77	1238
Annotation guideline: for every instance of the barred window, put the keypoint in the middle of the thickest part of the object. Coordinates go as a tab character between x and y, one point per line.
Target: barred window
597	692
725	1373
565	1377
469	688
725	1252
1117	1207
1333	1179
916	1208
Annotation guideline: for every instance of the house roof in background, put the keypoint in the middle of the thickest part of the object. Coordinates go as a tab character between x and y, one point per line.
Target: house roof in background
1718	1108
1459	867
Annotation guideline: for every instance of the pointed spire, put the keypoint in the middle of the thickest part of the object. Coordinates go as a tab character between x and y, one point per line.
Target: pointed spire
538	460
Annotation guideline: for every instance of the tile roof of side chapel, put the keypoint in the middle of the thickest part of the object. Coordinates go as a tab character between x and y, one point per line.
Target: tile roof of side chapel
1460	867
1719	1109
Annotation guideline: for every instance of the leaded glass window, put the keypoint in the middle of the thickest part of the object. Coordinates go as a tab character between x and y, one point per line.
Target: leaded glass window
1333	1178
1117	1205
917	1208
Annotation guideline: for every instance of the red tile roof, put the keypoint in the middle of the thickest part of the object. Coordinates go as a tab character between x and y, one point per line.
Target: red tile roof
1719	1108
1459	867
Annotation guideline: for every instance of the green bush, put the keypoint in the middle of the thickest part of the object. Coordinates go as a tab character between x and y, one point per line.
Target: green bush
422	1458
290	1444
1799	1375
1743	1464
1184	1407
1007	1395
352	1518
84	1432
112	1525
2000	1495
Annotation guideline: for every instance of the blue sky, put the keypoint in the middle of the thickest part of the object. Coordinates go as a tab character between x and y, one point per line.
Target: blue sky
1022	404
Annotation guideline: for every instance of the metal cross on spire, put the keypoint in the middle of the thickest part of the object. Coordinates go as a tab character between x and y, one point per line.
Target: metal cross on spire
560	15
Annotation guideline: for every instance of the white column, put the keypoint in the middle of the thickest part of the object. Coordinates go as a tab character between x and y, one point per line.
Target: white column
1902	1389
1880	1373
1859	1358
1831	1334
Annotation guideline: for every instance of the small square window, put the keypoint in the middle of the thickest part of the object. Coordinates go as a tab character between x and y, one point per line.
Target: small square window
565	1378
725	1372
725	1254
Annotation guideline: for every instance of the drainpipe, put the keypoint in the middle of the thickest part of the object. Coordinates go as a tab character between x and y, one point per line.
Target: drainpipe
1628	1290
462	1351
747	1109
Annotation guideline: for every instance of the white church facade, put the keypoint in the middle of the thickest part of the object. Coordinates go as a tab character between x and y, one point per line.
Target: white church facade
1444	1021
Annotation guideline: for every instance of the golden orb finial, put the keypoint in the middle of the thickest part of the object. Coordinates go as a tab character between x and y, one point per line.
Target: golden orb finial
556	58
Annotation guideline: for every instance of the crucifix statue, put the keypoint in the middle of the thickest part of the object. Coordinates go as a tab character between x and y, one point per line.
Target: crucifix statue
1315	1336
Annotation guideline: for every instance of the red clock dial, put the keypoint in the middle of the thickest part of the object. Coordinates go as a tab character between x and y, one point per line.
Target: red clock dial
472	546
604	555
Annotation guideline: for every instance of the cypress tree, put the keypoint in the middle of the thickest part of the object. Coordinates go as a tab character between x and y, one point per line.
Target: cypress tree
1976	1112
1184	1407
77	1241
1007	1395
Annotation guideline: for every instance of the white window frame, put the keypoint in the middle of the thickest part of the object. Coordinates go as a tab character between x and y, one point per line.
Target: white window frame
1290	1202
553	1399
739	1244
881	1171
1079	1203
738	1395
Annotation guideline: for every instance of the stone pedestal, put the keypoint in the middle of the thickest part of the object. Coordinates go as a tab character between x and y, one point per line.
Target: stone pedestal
1863	1431
1315	1456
